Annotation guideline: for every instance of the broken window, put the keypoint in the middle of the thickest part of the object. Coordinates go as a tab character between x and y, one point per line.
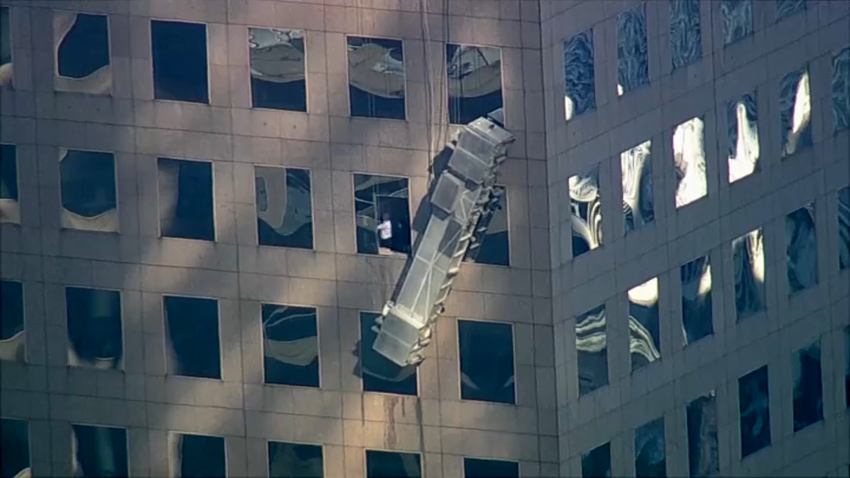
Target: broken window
192	337
754	408
5	48
82	52
748	263
844	228
703	450
382	213
376	77
295	460
99	451
592	350
632	50
743	137
586	206
808	387
277	69
486	361
494	247
786	8
14	448
474	81
10	206
388	464
638	198
478	468
197	456
284	207
644	331
841	89
685	32
696	299
596	463
290	345
89	193
737	19
795	108
186	199
12	327
650	452
689	161
179	52
801	249
95	333
579	81
380	374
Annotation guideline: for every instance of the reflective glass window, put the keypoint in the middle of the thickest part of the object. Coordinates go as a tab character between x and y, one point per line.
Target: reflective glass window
5	47
685	32
82	52
10	209
200	456
737	19
592	349
376	77
494	247
786	8
795	111
801	249
179	52
638	197
278	79
192	337
586	208
186	199
650	450
754	409
14	448
847	366
689	161
295	460
486	361
284	207
844	228
89	192
478	468
632	50
703	451
697	319
99	451
382	214
596	463
290	345
379	373
579	76
808	386
748	268
743	137
95	331
388	464
841	89
474	81
644	330
12	325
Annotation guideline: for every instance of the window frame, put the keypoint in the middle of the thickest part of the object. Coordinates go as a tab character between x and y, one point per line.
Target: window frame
247	51
269	441
444	69
346	36
263	348
253	186
123	362
410	212
159	199
165	338
514	360
23	320
63	152
150	21
366	451
505	204
109	48
173	434
93	425
360	361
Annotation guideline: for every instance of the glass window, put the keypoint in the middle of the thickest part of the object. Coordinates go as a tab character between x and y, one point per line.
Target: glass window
186	199
841	89
632	50
737	19
644	331
474	81
89	192
295	460
290	345
376	77
689	160
14	448
277	69
10	208
754	403
801	248
844	228
847	367
382	214
387	464
650	452
685	32
99	451
82	52
380	374
12	325
748	267
192	337
786	8
638	198
478	468
179	52
5	47
808	387
795	106
596	463
579	82
743	137
586	207
284	207
696	299
703	451
592	350
494	247
486	361
95	332
198	456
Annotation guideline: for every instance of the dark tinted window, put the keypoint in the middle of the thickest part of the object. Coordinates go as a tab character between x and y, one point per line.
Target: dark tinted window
847	366
597	462
808	387
632	50
89	198
696	299
477	468
737	19
378	199
83	52
474	81
290	345
685	32
14	447
13	346
844	227
100	451
840	88
8	172
801	249
386	464
5	48
754	409
786	8
284	207
94	328
748	268
277	69
291	460
379	373
644	330
703	454
200	456
494	246
650	452
486	361
179	52
376	77
592	349
192	336
186	199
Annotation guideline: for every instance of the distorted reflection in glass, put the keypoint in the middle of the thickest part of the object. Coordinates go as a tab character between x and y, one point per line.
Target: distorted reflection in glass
632	50
284	207
14	448
696	299
748	263
592	350
5	47
743	134
474	81
378	199
843	228
486	361
650	452
380	374
597	462
95	331
388	464
186	199
795	106
12	326
685	32
808	386
10	206
295	460
478	468
89	192
494	248
644	333
689	160
179	56
703	450
99	451
841	89
81	41
192	337
786	8
847	367
754	403
801	249
737	19
376	77
290	345
638	198
579	81
277	69
200	456
586	207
